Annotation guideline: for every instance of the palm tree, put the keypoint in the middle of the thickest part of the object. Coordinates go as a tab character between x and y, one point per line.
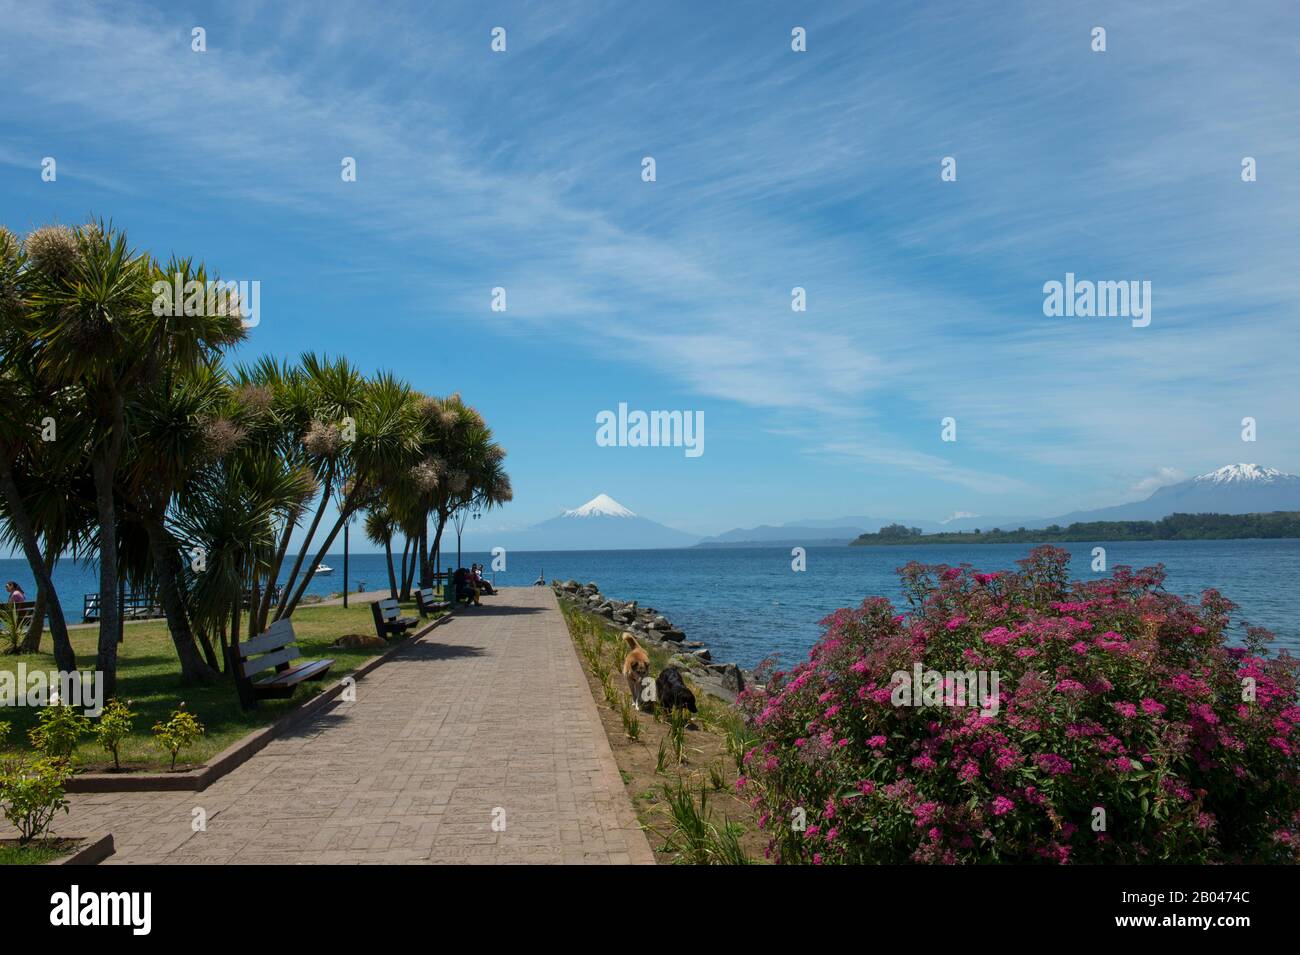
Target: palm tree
59	498
335	392
281	432
386	445
91	316
25	398
230	507
380	527
175	422
475	477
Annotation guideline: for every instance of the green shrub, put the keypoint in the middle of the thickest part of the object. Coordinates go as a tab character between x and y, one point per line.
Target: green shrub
10	636
31	793
59	728
114	726
1122	729
180	731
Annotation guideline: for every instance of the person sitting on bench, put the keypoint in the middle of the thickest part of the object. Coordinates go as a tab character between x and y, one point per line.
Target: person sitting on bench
481	582
465	589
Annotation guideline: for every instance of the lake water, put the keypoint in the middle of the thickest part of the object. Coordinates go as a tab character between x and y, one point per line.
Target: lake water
747	603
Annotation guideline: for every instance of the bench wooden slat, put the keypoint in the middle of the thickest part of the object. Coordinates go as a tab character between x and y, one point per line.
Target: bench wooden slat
270	660
275	636
296	674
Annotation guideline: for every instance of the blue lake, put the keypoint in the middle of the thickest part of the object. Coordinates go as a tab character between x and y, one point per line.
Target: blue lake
747	603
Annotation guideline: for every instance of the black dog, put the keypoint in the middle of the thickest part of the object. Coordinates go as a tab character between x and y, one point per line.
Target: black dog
672	692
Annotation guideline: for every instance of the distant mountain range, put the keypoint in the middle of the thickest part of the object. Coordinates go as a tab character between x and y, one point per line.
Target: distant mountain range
605	524
1232	489
600	524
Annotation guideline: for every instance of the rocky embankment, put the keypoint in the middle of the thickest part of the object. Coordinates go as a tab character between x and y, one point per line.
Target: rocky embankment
653	629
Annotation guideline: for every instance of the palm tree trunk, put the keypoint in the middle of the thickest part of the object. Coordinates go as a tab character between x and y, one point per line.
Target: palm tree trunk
103	466
225	647
408	579
64	657
194	669
392	575
426	578
437	535
32	642
209	654
302	553
406	585
264	610
344	512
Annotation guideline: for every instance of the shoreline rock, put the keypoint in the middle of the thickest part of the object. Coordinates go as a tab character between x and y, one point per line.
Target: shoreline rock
724	681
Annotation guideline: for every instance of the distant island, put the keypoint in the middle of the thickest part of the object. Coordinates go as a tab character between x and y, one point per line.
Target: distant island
1275	524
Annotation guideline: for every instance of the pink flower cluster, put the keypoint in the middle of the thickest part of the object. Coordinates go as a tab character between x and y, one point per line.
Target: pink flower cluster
1117	702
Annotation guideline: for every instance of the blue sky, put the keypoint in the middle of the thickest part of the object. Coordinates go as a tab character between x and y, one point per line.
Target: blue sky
775	169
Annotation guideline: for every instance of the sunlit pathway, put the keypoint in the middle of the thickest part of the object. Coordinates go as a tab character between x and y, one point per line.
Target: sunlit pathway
487	717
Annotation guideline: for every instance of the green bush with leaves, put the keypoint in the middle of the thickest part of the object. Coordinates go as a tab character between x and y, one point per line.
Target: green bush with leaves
32	793
59	728
10	636
114	726
180	731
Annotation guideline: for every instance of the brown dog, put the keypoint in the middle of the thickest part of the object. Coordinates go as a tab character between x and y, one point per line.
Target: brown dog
636	668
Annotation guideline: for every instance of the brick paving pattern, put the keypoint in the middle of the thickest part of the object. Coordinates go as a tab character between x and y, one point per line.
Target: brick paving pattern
488	712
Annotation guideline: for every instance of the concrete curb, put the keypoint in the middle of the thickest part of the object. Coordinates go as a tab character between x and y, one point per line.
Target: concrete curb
238	753
93	852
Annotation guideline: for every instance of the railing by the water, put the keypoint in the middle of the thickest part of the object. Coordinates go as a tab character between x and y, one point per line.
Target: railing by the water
140	606
134	607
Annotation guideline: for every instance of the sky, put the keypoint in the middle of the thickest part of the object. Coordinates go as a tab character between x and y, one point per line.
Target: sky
774	169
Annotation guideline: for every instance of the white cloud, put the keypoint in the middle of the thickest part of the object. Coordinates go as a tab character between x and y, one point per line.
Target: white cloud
1148	485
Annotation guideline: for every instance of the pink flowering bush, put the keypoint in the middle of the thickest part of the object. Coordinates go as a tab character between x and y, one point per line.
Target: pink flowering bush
1126	729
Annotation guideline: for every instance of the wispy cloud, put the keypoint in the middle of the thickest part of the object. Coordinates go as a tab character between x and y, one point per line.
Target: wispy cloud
775	170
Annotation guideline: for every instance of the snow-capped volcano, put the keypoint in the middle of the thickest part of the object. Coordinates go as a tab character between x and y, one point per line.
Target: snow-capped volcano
1231	489
1243	473
600	524
602	505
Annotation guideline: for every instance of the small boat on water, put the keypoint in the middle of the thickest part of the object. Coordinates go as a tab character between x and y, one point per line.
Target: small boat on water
324	569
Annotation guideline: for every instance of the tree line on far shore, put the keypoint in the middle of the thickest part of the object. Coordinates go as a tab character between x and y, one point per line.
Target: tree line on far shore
126	439
1271	525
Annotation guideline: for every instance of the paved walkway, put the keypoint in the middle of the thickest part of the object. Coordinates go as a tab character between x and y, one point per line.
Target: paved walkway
487	717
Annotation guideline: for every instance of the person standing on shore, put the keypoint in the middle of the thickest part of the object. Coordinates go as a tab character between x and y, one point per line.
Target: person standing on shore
16	594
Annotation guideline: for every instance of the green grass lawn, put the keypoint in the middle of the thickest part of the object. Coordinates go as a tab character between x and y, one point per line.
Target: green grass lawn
36	852
148	676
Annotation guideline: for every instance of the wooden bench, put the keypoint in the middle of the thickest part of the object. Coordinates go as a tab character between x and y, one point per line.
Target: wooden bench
274	647
388	619
427	600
